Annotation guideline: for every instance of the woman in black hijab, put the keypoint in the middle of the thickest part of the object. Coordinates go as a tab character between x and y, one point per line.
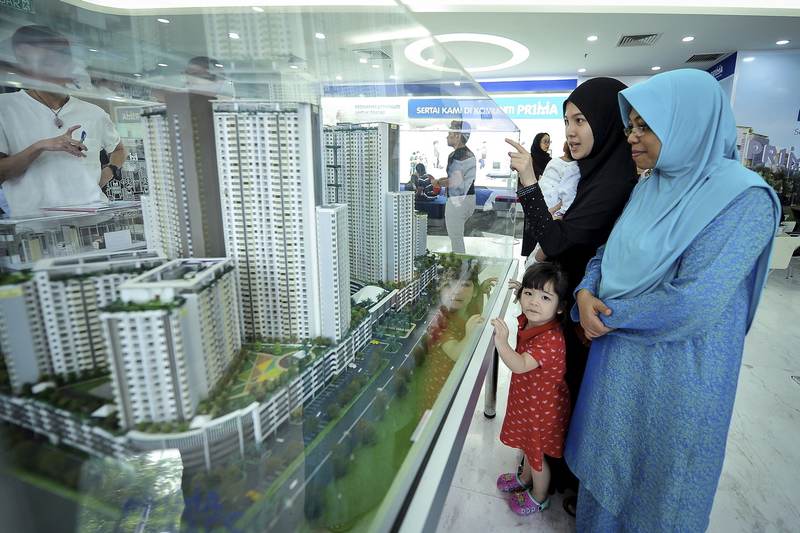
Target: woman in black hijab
608	174
539	155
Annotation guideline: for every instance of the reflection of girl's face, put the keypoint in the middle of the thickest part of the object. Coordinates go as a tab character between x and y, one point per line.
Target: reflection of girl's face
456	294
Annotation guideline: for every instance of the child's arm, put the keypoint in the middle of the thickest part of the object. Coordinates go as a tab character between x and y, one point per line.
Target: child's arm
517	363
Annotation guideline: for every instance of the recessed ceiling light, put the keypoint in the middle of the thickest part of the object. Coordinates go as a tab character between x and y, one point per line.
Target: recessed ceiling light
581	70
219	65
748	59
163	65
376	66
655	68
592	38
234	35
294	67
319	35
137	75
519	52
688	39
338	78
163	21
258	9
363	60
782	42
93	49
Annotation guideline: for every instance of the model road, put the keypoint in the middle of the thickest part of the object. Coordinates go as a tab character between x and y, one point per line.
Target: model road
290	498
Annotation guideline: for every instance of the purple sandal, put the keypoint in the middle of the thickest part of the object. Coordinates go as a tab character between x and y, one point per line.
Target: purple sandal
510	483
524	504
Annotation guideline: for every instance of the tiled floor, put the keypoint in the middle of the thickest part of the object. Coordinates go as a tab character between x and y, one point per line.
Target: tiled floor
759	487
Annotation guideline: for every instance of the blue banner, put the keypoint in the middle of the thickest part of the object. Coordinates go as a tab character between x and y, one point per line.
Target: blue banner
724	68
520	107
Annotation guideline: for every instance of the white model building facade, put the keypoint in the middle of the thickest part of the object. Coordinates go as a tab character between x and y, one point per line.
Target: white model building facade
171	336
399	239
334	270
267	163
71	291
160	206
22	338
361	166
420	234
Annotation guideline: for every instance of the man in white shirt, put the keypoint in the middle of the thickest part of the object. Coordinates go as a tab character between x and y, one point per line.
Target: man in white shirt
50	142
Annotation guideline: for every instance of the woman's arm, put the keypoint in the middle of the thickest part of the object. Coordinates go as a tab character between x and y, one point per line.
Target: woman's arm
718	260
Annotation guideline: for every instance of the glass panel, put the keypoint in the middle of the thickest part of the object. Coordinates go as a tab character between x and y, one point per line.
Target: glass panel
257	324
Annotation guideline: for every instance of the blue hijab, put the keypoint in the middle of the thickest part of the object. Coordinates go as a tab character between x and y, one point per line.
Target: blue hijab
696	176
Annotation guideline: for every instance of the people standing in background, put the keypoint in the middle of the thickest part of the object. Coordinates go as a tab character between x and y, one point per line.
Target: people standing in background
50	142
540	153
422	184
460	183
436	163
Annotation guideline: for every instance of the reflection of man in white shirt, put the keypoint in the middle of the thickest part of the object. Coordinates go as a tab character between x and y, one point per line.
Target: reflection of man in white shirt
50	142
460	183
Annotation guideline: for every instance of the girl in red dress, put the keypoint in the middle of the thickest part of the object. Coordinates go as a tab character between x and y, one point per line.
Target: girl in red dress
537	415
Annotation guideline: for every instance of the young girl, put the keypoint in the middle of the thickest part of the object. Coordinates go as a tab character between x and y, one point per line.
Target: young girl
537	415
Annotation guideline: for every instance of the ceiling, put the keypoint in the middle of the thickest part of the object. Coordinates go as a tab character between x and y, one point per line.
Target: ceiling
558	45
278	44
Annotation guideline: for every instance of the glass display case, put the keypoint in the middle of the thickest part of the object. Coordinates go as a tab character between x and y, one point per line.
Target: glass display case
272	322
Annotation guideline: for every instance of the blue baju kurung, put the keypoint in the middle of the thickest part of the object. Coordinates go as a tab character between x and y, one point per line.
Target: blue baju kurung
647	438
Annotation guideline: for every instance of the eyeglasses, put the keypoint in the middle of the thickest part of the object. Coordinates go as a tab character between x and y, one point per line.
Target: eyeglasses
638	130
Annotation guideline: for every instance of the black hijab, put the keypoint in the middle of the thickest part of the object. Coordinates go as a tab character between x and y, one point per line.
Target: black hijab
608	174
539	156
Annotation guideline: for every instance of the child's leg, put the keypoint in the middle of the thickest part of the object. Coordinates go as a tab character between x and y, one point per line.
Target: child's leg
541	481
526	475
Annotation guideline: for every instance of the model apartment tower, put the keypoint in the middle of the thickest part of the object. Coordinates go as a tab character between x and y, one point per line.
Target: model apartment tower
399	226
171	336
420	234
71	293
334	270
361	167
268	156
181	211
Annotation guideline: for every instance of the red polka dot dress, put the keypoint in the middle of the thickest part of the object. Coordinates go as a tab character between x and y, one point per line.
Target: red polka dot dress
537	415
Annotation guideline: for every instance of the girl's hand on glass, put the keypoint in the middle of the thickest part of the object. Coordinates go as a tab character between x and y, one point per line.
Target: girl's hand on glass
590	308
500	331
474	322
488	285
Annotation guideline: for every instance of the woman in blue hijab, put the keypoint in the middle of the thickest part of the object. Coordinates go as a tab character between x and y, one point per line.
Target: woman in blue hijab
668	301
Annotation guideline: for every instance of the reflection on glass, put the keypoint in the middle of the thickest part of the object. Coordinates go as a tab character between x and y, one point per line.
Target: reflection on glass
252	334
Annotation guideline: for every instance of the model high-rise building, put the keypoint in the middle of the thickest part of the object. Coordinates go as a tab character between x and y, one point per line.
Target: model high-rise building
71	291
182	208
22	338
334	270
361	167
399	236
268	156
420	234
171	336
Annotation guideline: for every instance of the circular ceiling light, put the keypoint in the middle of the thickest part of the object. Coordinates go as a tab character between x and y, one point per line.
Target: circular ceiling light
592	38
319	35
782	42
338	78
581	70
234	35
258	9
519	52
219	65
655	68
688	39
163	21
163	65
749	59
